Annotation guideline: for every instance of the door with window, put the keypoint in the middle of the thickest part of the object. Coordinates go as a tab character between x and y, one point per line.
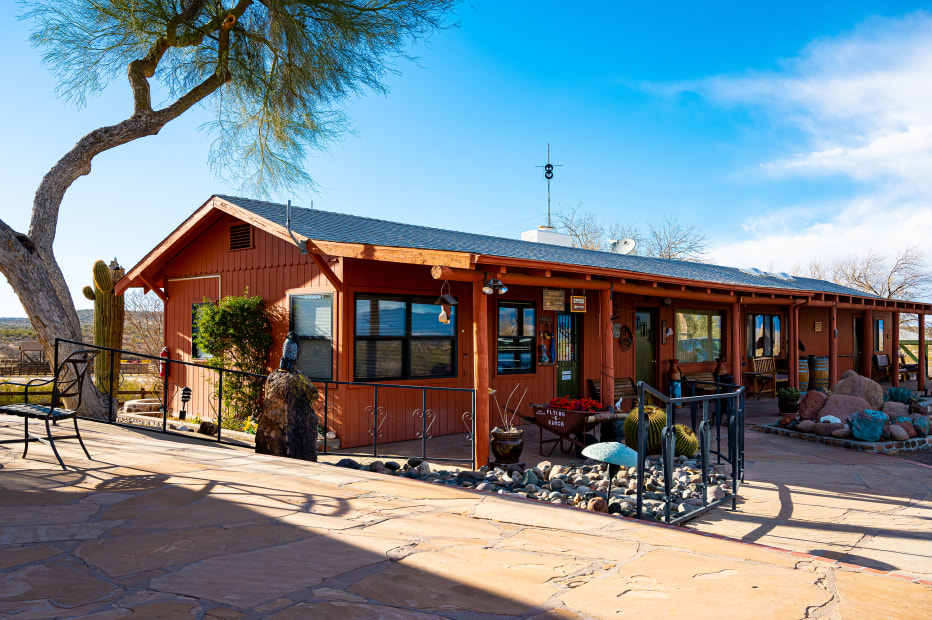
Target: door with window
645	346
568	353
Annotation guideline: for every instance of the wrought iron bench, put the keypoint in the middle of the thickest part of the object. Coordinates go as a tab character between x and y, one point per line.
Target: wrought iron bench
67	383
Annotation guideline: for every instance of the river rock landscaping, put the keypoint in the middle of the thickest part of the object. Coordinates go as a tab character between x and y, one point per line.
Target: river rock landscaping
586	485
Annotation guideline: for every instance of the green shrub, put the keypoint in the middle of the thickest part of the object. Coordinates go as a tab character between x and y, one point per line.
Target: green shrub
788	393
236	333
899	395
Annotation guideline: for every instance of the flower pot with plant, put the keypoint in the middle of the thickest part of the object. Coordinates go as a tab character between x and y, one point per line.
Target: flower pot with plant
788	400
507	439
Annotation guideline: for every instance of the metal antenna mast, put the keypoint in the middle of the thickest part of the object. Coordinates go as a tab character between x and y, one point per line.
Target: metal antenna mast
548	174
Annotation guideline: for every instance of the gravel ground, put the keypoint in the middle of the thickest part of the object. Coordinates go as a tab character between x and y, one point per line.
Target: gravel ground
923	456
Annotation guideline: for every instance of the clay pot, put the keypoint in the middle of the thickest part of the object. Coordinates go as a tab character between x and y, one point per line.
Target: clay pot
507	445
788	405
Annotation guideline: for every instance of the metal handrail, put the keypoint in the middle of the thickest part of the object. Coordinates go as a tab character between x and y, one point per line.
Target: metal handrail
735	456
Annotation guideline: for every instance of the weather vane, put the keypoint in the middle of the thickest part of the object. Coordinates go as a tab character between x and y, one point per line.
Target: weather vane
548	174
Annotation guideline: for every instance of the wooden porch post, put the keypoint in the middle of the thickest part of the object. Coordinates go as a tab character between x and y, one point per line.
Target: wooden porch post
608	356
793	345
895	356
833	346
921	380
867	337
735	345
480	341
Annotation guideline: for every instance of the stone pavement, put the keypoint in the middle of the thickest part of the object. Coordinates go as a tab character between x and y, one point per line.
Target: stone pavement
158	526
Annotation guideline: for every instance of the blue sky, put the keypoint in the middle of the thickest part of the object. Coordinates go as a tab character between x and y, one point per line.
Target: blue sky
784	132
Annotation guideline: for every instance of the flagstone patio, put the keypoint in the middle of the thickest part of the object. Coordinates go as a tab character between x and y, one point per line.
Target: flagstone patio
165	526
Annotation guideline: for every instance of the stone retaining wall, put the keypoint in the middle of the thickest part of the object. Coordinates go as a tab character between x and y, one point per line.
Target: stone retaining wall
879	447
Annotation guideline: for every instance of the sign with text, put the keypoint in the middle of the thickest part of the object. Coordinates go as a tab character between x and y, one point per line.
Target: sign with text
577	303
554	299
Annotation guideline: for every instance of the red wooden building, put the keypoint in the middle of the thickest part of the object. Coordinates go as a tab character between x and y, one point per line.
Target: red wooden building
360	294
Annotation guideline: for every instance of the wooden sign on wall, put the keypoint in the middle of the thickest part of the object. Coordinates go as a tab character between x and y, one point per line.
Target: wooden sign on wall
577	303
554	299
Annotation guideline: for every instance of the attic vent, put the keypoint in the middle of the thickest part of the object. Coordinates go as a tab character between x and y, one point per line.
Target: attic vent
240	237
752	271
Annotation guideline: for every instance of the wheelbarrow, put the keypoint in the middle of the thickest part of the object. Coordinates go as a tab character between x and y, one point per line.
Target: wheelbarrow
572	428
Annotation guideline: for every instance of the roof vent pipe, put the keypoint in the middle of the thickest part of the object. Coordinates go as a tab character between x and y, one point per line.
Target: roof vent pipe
301	246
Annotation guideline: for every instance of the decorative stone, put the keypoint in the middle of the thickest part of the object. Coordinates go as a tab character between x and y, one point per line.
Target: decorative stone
597	504
895	410
862	387
915	407
830	419
348	463
207	428
849	373
898	433
806	426
921	424
842	406
825	429
907	423
287	425
811	404
842	433
786	420
867	425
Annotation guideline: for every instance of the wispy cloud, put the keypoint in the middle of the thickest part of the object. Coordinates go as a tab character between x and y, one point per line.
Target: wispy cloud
862	102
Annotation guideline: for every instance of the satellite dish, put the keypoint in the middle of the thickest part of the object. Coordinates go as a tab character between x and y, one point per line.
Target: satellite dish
625	246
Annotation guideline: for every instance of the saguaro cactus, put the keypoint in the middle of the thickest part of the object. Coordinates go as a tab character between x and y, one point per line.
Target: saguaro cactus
108	319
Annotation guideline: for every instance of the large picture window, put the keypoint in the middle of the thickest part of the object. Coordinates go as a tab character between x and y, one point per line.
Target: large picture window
698	335
764	335
517	332
399	337
312	320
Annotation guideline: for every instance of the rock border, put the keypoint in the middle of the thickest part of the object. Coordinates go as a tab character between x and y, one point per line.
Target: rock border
877	447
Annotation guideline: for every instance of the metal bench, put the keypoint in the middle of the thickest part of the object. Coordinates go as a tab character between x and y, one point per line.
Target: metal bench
67	383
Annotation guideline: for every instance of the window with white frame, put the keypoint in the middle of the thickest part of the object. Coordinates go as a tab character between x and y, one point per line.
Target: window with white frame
312	321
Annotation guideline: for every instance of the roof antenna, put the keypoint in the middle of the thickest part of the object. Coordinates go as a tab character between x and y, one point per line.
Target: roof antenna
548	174
301	246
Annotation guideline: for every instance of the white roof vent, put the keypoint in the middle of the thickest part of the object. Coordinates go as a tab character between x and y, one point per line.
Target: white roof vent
781	275
545	234
752	271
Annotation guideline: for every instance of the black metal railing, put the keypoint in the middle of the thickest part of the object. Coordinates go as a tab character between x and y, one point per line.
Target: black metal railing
376	412
729	394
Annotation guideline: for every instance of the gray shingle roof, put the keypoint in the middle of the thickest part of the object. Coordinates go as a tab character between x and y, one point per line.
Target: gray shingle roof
343	228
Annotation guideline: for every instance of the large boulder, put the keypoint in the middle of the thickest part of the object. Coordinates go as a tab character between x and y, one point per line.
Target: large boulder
907	423
921	424
895	410
849	373
898	433
862	387
811	404
287	425
867	425
825	429
842	406
842	433
806	426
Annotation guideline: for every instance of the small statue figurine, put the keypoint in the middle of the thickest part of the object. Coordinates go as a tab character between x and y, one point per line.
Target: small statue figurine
289	352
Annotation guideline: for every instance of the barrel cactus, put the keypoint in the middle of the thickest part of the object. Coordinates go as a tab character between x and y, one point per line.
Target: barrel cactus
108	319
656	421
686	440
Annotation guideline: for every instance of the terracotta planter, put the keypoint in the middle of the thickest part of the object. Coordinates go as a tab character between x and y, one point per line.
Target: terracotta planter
507	445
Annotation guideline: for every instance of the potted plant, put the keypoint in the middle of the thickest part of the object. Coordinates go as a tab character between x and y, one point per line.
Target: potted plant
507	439
788	400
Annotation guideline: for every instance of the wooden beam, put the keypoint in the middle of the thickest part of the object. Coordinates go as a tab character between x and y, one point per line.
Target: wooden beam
792	345
480	340
325	269
734	344
442	272
607	343
833	346
921	380
159	292
766	301
867	343
388	254
895	356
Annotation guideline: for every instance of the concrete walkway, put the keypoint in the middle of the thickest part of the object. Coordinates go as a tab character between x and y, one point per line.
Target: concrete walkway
157	526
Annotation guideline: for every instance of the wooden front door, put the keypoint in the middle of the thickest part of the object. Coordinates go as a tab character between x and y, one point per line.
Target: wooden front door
569	354
645	346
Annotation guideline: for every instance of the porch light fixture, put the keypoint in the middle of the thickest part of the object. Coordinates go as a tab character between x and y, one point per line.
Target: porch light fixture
494	286
446	301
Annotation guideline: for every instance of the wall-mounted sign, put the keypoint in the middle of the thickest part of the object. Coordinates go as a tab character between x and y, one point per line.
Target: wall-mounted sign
554	299
818	326
616	330
577	303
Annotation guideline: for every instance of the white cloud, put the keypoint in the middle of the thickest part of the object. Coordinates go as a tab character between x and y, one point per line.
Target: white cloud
863	103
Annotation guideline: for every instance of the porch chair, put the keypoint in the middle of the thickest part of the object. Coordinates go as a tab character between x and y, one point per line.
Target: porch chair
766	369
907	369
624	388
883	369
67	383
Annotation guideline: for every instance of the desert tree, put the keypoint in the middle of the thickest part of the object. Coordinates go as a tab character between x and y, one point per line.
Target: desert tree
583	227
270	71
669	238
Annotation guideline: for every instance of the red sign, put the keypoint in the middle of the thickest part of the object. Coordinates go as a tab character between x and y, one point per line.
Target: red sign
577	303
